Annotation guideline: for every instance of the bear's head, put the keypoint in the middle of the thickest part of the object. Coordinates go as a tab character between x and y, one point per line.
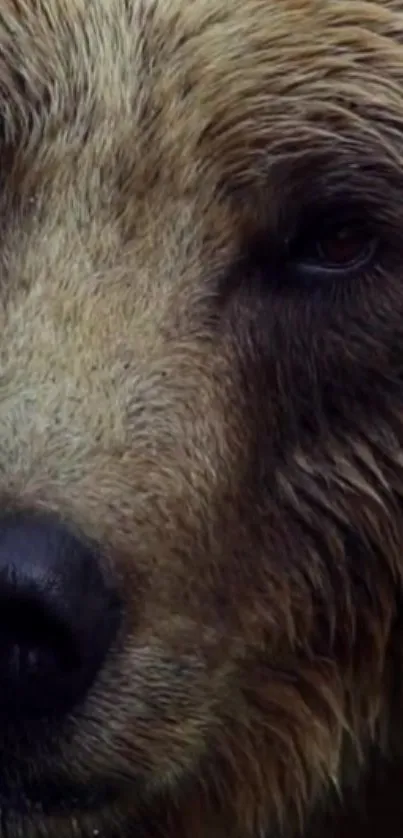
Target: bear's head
201	410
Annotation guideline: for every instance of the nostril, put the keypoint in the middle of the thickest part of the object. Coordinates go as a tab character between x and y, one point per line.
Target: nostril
58	617
35	641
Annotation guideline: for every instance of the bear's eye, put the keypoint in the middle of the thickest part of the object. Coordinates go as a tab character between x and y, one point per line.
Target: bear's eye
335	247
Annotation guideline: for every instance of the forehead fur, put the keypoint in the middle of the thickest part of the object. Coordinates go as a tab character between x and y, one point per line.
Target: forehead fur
183	75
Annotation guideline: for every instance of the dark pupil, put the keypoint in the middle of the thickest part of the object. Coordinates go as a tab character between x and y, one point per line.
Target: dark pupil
341	246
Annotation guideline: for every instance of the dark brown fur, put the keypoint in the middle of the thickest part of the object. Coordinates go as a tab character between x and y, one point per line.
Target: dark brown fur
233	441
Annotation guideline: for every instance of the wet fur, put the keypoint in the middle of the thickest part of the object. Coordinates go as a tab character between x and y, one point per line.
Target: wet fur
232	440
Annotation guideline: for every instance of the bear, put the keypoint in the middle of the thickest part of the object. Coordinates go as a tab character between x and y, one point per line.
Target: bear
201	418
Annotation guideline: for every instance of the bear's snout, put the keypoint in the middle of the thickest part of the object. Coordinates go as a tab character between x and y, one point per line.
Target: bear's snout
58	617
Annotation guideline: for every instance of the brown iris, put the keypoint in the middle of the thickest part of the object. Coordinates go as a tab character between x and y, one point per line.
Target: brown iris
342	247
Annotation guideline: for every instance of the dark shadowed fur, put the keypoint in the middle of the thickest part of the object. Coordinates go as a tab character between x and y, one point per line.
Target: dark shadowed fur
229	434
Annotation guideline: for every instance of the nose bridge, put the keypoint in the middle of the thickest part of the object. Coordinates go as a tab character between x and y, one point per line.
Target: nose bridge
57	376
101	381
83	370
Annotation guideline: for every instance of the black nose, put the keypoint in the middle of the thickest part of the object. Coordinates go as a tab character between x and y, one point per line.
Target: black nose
58	617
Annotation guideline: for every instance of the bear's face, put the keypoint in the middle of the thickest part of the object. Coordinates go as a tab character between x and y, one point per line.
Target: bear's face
201	377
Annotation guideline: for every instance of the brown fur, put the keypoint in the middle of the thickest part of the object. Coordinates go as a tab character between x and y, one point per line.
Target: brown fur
233	442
